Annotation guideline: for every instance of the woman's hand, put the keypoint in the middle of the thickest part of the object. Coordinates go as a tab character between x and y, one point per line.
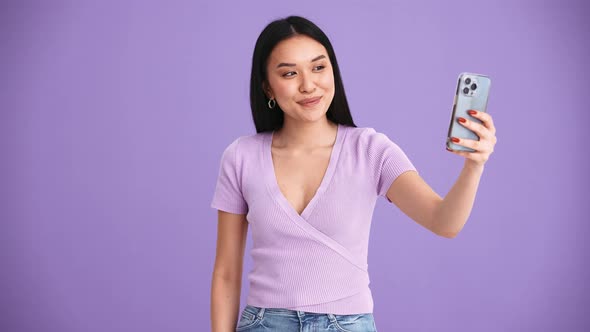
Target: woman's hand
487	139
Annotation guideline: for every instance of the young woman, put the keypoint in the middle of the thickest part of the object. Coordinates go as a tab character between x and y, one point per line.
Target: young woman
307	184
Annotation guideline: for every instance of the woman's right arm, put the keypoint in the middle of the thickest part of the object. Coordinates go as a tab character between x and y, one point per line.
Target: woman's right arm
226	282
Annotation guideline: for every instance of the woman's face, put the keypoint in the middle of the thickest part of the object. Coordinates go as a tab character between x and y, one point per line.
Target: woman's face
298	69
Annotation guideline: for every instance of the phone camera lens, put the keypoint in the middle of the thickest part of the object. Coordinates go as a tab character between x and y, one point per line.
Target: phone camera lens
473	86
465	90
467	80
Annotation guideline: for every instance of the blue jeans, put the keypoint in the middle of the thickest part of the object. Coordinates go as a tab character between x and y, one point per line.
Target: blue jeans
255	319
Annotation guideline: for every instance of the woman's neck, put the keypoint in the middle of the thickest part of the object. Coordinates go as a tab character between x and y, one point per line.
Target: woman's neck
305	136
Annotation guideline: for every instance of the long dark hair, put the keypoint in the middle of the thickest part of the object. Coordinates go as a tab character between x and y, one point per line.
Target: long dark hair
266	119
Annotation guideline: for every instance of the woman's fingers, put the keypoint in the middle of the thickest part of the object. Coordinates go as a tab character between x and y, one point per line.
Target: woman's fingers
483	145
487	120
486	131
479	129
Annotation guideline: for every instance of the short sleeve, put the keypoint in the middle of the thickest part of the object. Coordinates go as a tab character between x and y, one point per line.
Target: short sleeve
388	161
228	192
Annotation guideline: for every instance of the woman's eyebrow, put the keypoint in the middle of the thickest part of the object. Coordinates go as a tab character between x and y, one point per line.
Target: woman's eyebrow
282	64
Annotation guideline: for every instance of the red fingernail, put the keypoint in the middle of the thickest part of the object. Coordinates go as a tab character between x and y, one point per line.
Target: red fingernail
471	112
454	139
462	120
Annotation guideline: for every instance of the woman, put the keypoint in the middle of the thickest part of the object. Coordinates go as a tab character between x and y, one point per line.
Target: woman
307	184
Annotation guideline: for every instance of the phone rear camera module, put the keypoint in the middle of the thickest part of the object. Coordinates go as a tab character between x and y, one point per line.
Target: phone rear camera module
473	86
465	90
467	80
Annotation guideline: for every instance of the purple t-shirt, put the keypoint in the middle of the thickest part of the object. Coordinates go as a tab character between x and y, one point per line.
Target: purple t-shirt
316	261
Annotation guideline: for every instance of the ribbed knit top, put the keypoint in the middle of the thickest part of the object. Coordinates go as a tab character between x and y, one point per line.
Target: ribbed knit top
316	261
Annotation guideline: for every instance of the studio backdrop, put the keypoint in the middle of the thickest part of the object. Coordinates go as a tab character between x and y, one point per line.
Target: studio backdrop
114	116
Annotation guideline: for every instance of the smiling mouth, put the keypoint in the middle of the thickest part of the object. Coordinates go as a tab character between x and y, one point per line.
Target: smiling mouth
311	102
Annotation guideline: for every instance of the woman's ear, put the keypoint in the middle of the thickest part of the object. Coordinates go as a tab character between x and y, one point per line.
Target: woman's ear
267	90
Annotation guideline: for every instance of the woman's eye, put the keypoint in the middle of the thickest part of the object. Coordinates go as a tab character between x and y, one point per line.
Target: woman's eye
292	72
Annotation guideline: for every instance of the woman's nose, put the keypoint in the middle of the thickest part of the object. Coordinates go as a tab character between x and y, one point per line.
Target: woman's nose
307	84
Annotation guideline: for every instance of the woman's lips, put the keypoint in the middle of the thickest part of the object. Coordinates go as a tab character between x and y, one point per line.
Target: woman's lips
311	103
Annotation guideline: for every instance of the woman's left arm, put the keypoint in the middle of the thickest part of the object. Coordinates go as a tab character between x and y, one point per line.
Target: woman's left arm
446	217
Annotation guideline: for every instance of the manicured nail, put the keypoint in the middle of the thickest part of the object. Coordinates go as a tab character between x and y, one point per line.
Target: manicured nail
455	139
449	149
462	120
471	112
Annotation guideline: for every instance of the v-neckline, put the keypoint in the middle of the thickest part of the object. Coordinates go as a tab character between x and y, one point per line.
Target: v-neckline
272	181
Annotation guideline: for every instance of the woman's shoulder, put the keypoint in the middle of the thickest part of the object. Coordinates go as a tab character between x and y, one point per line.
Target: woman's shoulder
359	130
244	144
369	139
364	134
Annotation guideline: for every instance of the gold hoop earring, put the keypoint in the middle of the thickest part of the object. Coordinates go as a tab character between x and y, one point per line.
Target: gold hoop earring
273	103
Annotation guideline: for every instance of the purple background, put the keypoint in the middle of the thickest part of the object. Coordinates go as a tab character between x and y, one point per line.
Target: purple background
114	116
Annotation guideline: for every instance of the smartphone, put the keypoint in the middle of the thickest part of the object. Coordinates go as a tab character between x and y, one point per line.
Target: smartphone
471	94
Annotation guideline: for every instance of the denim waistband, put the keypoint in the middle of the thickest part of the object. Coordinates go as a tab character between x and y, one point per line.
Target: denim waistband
283	312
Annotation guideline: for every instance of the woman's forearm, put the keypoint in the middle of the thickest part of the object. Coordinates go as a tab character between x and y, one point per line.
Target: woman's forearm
454	210
225	303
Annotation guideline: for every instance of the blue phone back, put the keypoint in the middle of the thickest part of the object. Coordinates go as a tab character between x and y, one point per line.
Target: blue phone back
467	98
